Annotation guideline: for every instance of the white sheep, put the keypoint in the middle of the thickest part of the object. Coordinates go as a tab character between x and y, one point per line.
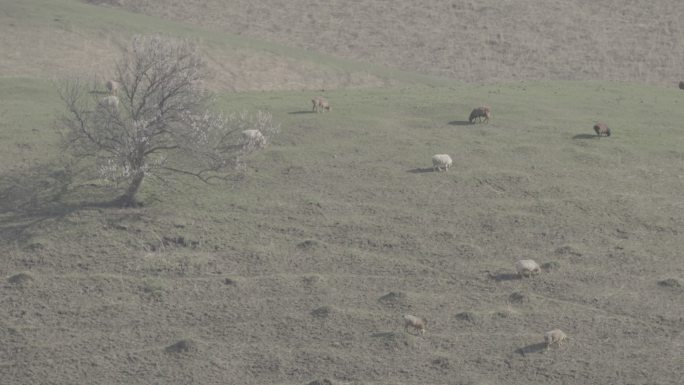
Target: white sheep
320	103
555	336
440	161
253	137
110	102
112	86
415	322
527	267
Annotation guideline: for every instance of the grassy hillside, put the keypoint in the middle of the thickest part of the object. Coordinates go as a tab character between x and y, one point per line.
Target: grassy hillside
469	40
301	268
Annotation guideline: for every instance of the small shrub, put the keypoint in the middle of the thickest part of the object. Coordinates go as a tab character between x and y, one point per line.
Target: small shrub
20	279
467	316
154	287
324	381
550	266
518	298
670	282
394	298
322	312
182	346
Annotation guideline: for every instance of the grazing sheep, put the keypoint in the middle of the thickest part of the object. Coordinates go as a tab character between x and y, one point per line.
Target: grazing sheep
681	85
554	337
527	267
480	112
415	322
320	103
110	102
253	137
440	161
112	86
601	129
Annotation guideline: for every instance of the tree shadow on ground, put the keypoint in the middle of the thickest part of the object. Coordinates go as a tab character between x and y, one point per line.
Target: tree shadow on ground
584	136
420	170
460	123
30	196
533	348
301	112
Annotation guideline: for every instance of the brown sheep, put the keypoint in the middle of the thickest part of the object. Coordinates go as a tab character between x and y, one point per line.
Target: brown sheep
601	129
320	103
480	112
415	322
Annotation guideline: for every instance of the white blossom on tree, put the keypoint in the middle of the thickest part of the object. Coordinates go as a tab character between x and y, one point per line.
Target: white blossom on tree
157	123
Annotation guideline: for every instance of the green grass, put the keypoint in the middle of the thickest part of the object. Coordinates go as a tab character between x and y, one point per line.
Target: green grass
340	209
532	183
537	147
28	111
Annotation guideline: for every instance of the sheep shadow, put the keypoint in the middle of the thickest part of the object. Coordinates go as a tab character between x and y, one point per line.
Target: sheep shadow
420	170
539	347
301	112
584	136
460	123
504	276
384	334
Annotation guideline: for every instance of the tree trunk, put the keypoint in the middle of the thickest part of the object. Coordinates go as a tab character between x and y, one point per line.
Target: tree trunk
128	199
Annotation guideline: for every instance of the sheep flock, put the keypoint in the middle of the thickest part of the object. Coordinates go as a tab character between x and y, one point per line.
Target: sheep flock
525	268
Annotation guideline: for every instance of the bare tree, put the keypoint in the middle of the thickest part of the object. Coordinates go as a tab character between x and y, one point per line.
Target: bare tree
157	123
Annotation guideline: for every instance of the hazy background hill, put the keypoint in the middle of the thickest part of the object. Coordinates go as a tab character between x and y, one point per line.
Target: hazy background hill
470	40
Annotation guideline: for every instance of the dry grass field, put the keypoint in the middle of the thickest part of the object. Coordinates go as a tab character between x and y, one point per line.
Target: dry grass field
470	40
299	268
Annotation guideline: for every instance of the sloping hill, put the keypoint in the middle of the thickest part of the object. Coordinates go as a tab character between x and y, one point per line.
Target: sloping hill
301	267
469	40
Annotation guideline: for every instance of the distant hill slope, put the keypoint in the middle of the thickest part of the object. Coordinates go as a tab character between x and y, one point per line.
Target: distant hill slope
470	40
59	38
